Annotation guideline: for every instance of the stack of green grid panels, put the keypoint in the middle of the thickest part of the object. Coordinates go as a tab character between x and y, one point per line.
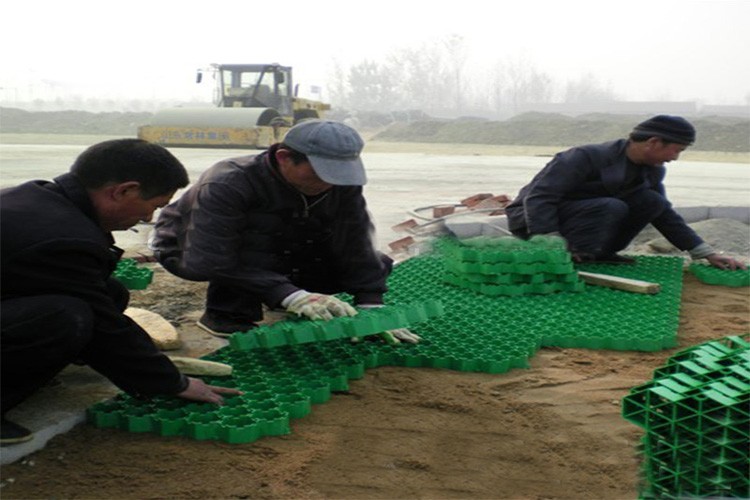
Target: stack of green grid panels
714	276
696	414
133	276
508	266
473	333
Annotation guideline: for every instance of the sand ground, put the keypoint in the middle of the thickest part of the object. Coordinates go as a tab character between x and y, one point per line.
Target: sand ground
551	431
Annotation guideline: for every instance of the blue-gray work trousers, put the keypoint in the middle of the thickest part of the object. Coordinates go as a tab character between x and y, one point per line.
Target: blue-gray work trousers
604	226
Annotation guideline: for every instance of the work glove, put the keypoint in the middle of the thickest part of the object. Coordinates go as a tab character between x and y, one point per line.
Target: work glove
397	335
316	305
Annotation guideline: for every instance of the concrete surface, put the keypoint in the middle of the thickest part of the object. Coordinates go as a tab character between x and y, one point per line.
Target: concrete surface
57	408
468	225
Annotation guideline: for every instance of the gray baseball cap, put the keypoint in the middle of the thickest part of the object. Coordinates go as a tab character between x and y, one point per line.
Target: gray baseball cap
333	149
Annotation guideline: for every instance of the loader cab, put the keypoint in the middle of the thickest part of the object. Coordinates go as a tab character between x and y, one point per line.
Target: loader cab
254	86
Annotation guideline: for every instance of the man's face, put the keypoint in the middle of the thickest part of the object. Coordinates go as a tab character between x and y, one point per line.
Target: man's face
132	209
301	175
659	152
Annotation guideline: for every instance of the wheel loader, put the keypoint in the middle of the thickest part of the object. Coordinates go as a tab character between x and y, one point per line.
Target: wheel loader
255	105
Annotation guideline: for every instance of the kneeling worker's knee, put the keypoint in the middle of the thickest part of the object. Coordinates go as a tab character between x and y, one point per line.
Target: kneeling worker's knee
71	325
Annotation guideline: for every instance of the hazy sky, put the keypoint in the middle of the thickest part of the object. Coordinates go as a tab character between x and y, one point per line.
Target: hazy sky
641	49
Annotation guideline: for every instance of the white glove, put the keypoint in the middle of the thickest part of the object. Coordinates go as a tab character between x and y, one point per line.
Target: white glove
316	305
397	335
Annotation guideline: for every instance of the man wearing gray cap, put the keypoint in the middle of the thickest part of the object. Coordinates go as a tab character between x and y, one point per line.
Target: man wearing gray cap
286	228
600	196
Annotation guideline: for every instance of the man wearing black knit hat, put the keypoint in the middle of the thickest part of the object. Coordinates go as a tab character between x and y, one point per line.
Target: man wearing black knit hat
600	196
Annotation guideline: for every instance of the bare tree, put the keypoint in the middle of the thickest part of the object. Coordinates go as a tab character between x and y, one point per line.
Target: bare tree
588	89
430	78
336	87
455	46
497	84
420	75
526	84
371	87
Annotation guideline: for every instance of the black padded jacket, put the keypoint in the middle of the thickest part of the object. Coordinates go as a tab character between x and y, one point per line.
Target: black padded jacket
242	223
51	243
591	171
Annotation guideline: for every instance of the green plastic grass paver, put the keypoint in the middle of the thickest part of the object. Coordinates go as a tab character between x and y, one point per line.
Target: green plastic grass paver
697	423
714	276
366	322
509	266
475	332
133	276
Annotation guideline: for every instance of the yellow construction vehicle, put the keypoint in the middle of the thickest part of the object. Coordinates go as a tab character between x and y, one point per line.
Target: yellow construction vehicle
256	104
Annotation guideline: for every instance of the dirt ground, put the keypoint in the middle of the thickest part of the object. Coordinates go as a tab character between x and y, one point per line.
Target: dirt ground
552	431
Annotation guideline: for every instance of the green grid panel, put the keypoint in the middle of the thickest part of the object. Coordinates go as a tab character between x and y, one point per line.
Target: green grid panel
506	266
366	322
714	276
133	276
475	332
696	414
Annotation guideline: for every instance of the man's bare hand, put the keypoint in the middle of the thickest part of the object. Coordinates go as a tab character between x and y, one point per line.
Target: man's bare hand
198	390
724	262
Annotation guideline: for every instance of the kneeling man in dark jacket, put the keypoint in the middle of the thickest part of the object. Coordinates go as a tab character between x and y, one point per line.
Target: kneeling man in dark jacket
60	303
286	228
600	196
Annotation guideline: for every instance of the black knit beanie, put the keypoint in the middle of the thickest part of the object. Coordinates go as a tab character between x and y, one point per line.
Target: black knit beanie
670	128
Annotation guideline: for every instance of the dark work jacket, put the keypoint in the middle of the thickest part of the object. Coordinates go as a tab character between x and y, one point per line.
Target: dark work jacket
585	172
53	245
242	223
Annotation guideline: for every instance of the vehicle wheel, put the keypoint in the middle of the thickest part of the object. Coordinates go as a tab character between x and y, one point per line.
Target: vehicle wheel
305	114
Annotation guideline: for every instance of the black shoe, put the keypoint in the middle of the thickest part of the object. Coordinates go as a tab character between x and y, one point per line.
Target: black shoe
615	259
587	258
12	433
224	325
583	258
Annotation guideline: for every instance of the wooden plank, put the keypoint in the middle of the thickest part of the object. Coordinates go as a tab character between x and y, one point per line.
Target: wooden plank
192	366
619	283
